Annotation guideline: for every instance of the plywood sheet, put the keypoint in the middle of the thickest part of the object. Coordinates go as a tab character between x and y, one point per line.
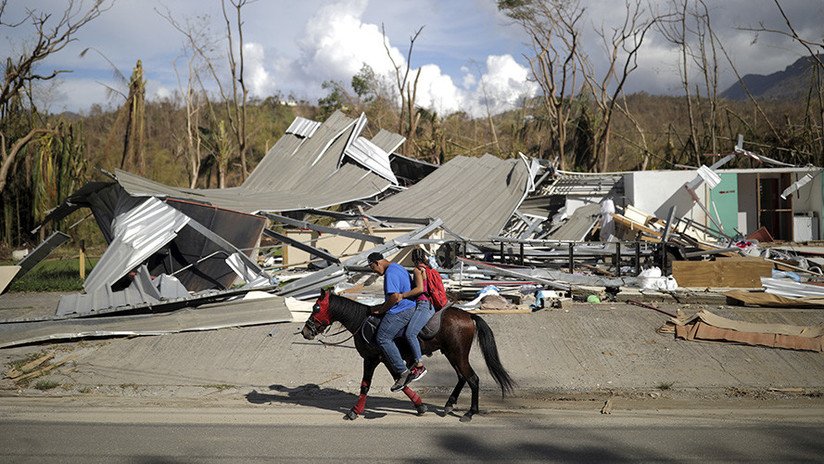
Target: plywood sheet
725	273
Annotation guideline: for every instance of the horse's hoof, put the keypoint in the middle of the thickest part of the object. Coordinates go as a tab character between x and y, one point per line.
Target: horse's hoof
448	409
421	408
351	415
466	418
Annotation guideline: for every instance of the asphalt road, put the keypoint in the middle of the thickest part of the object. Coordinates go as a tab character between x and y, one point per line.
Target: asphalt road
308	434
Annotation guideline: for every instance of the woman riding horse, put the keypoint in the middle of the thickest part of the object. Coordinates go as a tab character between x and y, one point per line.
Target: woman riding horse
454	339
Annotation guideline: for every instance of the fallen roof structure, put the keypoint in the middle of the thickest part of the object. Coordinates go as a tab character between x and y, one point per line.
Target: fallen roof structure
238	313
195	247
314	165
474	197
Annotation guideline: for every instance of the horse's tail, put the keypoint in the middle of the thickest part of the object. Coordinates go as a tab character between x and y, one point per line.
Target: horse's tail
490	351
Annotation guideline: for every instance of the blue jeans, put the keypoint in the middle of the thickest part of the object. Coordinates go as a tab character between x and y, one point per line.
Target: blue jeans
422	312
392	327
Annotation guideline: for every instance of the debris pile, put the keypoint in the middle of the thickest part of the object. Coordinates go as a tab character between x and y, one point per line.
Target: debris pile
508	235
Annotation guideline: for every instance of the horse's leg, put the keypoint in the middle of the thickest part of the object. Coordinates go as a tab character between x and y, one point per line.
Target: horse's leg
416	400
473	382
456	392
465	375
457	352
369	365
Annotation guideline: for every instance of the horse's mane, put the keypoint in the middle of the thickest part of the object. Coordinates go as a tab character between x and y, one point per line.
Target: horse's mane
347	310
347	304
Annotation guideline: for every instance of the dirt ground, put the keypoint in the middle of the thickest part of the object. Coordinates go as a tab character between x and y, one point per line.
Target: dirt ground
582	356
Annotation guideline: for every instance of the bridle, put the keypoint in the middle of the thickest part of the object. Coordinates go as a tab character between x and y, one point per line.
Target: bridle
316	327
313	324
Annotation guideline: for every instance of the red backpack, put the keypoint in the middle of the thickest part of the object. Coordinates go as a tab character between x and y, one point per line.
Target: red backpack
435	290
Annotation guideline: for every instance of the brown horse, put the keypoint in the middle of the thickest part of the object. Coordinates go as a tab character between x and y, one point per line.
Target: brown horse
454	340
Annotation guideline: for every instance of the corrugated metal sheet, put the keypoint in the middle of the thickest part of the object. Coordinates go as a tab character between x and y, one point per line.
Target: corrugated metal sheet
239	313
474	196
296	174
388	141
371	156
303	127
138	234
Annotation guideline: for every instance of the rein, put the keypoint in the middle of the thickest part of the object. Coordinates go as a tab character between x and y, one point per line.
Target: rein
335	334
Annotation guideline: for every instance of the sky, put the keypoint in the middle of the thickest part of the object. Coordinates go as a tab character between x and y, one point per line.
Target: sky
472	58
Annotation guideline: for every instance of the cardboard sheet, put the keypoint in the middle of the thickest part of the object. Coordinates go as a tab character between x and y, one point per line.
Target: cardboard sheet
708	326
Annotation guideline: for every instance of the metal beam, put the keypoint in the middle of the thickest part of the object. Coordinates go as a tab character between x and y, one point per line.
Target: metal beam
301	246
326	230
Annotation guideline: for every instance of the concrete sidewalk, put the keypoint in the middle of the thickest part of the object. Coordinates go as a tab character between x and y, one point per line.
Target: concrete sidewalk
585	351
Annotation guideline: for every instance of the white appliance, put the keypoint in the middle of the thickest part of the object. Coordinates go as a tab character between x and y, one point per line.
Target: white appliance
805	227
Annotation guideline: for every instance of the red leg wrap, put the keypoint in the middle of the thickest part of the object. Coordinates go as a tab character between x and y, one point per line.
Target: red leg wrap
416	399
361	405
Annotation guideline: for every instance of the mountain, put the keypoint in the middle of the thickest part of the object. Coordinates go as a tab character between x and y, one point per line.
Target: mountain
791	83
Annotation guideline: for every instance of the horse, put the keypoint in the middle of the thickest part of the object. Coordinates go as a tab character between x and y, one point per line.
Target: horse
454	339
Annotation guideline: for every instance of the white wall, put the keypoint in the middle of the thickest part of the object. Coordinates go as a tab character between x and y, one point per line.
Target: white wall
748	201
654	192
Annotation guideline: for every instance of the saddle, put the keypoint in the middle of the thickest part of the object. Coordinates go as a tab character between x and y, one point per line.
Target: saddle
370	327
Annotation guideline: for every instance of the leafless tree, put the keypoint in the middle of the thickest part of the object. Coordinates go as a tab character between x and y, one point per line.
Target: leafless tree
554	30
237	108
235	101
622	46
50	34
193	103
815	49
408	119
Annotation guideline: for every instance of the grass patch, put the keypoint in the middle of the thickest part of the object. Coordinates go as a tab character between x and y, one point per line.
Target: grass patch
44	385
664	385
52	275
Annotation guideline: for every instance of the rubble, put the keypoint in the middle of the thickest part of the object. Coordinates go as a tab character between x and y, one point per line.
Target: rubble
510	224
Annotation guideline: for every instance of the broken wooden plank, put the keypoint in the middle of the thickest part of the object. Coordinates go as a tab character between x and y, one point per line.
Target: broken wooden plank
26	368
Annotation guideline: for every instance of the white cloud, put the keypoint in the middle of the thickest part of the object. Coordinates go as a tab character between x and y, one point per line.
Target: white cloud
437	91
503	86
261	82
337	43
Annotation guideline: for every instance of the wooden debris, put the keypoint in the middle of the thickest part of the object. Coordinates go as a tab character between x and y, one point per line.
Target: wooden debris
725	273
787	390
39	372
652	307
607	409
28	367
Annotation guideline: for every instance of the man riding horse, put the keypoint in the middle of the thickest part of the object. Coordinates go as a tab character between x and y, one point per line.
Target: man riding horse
397	312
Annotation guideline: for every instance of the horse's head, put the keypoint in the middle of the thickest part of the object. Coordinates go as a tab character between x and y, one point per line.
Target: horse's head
320	318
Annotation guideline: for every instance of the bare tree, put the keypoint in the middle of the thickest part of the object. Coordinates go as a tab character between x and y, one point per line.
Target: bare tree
237	108
554	29
408	119
815	49
135	121
50	34
622	46
193	105
235	102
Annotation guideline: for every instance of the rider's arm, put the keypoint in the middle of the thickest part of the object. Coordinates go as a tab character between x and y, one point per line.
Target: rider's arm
391	300
418	289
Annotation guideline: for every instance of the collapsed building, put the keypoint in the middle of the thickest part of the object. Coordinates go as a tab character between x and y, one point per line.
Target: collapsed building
511	227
